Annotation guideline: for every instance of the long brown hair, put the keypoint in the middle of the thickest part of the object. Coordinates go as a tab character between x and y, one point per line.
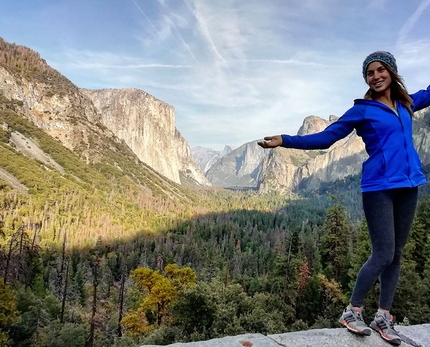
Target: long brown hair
398	90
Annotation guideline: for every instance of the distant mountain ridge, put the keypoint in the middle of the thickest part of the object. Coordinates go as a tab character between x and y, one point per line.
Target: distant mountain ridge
206	157
288	170
97	124
239	167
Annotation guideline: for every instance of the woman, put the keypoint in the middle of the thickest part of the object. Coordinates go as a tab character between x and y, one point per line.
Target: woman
390	179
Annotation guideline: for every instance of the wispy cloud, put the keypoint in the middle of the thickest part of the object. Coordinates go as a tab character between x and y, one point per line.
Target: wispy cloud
152	25
233	70
181	38
377	4
412	20
84	65
197	10
73	59
277	61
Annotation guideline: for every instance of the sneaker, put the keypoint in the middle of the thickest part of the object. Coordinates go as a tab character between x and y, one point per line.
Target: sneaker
383	324
352	319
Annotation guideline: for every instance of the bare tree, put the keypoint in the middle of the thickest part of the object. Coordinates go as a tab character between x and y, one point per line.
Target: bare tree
121	303
63	302
96	265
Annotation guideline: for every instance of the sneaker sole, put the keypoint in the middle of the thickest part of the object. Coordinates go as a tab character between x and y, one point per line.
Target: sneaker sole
395	342
365	332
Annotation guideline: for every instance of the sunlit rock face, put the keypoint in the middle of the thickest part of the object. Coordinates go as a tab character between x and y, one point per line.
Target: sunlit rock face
287	170
421	134
88	122
240	167
206	157
147	126
57	106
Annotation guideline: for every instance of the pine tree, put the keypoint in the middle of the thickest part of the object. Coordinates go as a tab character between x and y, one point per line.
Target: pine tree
359	256
420	234
335	243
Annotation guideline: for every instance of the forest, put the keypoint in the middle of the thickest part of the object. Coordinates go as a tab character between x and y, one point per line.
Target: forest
228	263
97	256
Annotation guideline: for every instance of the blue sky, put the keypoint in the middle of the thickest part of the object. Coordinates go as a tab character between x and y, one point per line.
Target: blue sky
234	70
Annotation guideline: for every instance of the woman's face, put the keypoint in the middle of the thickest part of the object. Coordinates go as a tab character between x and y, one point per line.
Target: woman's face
378	77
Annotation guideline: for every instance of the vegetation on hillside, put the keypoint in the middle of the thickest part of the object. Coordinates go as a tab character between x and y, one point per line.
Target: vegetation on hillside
27	63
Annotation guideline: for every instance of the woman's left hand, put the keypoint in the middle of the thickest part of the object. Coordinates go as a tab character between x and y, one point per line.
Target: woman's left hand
271	141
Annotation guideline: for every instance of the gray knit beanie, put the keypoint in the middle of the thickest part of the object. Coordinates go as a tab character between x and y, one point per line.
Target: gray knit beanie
383	56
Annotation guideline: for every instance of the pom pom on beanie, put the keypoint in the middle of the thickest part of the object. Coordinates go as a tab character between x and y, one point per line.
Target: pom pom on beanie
383	56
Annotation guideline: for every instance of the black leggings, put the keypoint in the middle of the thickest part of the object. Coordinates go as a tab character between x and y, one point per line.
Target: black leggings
389	215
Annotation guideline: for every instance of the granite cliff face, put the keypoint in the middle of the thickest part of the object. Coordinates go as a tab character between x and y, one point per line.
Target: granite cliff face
56	106
287	170
95	123
239	167
147	126
422	134
206	157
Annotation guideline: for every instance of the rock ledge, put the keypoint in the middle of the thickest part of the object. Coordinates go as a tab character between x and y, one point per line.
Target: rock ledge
413	336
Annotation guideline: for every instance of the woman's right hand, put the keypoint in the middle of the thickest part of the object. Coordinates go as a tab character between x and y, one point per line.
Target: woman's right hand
271	141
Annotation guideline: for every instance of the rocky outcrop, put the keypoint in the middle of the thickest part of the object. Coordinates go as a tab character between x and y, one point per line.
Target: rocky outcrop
285	170
68	114
13	181
412	336
62	111
288	170
31	149
147	126
206	157
422	134
240	167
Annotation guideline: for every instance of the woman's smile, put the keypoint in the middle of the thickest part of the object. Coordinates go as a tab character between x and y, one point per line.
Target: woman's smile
378	78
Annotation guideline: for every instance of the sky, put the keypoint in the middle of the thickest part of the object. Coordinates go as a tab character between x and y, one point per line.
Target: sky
234	70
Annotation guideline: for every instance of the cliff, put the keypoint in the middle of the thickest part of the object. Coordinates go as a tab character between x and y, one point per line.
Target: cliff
206	157
288	170
237	168
147	126
94	124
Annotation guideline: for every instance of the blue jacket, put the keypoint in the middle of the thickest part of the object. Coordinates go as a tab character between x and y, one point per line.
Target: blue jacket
393	161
